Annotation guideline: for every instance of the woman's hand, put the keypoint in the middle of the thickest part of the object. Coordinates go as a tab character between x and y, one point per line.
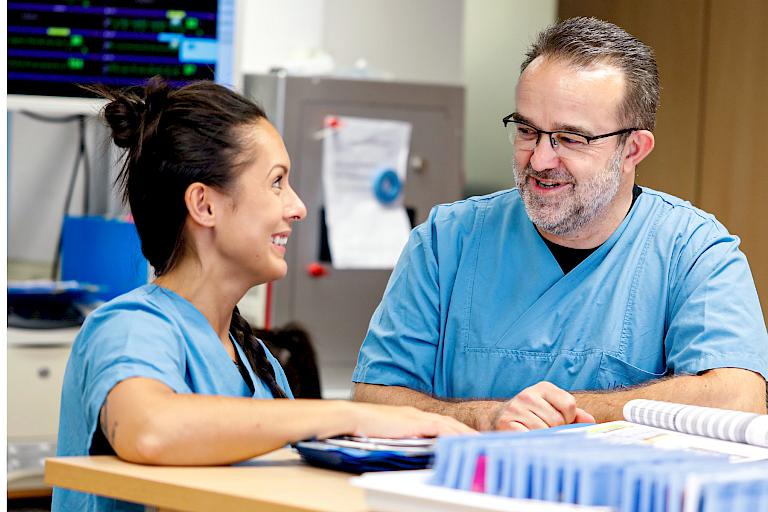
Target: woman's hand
389	421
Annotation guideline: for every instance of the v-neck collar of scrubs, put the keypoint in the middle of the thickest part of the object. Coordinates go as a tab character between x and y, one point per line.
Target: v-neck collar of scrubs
223	361
556	284
569	258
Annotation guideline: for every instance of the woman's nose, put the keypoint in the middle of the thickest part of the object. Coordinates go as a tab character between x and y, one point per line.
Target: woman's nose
296	209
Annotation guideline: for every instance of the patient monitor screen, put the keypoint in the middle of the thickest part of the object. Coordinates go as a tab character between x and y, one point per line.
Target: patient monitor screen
53	45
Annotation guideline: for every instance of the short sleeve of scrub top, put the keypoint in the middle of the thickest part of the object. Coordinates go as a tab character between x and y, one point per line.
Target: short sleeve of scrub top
129	344
153	333
713	310
400	348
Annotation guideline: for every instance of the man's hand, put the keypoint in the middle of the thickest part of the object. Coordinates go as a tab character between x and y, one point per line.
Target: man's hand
539	406
542	405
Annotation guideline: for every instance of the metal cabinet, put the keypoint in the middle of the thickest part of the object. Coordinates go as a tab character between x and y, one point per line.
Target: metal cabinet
335	308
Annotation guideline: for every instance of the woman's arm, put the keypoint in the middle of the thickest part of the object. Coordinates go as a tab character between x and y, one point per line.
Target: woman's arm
146	422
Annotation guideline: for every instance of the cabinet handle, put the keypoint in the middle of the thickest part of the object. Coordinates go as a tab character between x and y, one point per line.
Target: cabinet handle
40	344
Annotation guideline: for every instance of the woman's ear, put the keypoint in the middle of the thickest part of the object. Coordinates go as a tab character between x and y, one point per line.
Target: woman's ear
200	203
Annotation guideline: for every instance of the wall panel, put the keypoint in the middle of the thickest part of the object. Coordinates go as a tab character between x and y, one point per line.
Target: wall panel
734	174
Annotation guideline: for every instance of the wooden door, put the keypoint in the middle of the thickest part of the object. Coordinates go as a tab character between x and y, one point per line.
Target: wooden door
734	174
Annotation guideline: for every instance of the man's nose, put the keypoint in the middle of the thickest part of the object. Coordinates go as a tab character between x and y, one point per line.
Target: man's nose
544	155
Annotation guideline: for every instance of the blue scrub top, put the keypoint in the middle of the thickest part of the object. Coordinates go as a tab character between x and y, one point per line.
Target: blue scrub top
477	306
149	332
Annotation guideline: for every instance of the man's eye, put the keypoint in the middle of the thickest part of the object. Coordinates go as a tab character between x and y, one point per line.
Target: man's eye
525	131
571	140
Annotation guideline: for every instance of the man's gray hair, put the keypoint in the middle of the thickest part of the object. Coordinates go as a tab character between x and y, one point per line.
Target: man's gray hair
587	41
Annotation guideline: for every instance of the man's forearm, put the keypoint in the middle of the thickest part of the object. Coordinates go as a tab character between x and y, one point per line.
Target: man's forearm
727	388
478	414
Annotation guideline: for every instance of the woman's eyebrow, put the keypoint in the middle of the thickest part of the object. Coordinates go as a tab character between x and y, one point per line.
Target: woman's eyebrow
279	167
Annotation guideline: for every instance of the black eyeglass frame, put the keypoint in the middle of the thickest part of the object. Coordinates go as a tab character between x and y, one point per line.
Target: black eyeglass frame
589	138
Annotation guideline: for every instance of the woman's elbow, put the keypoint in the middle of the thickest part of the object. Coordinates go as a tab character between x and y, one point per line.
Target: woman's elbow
143	444
144	448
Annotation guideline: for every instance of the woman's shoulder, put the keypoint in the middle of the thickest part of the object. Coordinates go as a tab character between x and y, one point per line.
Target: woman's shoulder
144	301
147	309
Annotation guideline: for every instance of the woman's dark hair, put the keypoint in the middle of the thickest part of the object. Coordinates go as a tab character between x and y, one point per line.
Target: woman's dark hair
292	346
173	138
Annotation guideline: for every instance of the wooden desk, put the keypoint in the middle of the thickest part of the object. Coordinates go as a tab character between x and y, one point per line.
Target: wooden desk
276	482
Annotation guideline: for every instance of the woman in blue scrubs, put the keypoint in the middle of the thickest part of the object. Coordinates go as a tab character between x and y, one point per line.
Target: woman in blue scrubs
171	373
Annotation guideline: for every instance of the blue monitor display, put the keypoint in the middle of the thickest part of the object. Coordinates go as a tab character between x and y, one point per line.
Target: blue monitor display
54	45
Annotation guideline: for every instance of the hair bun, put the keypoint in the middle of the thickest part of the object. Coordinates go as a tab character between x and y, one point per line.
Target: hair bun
134	109
125	115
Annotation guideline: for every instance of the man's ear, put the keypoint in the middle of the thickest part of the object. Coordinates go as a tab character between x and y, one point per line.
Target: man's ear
200	203
639	145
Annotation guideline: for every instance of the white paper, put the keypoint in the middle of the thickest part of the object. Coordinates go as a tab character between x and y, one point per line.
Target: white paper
381	446
363	232
633	433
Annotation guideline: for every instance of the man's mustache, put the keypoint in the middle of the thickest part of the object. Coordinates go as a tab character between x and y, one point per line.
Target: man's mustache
549	174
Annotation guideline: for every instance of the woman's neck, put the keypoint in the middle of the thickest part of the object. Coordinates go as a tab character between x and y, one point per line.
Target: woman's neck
213	295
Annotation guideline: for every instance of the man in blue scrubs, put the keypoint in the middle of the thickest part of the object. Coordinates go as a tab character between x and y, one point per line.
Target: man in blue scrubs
577	276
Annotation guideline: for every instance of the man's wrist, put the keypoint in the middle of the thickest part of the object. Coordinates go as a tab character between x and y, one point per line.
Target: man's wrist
478	414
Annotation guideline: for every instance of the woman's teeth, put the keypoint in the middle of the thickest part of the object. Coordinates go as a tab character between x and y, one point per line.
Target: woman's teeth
280	240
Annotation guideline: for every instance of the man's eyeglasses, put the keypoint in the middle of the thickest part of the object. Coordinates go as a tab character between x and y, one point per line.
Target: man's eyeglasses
524	136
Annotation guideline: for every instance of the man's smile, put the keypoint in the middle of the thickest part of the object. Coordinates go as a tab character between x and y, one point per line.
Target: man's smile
547	186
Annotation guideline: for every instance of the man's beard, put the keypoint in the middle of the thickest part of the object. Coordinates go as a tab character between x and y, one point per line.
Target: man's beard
571	211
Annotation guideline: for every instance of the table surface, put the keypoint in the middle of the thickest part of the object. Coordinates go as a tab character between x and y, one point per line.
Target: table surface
278	481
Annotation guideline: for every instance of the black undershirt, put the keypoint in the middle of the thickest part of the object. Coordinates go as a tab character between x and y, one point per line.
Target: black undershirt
568	257
99	443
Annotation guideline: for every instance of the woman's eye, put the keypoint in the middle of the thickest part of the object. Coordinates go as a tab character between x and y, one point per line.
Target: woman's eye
278	183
